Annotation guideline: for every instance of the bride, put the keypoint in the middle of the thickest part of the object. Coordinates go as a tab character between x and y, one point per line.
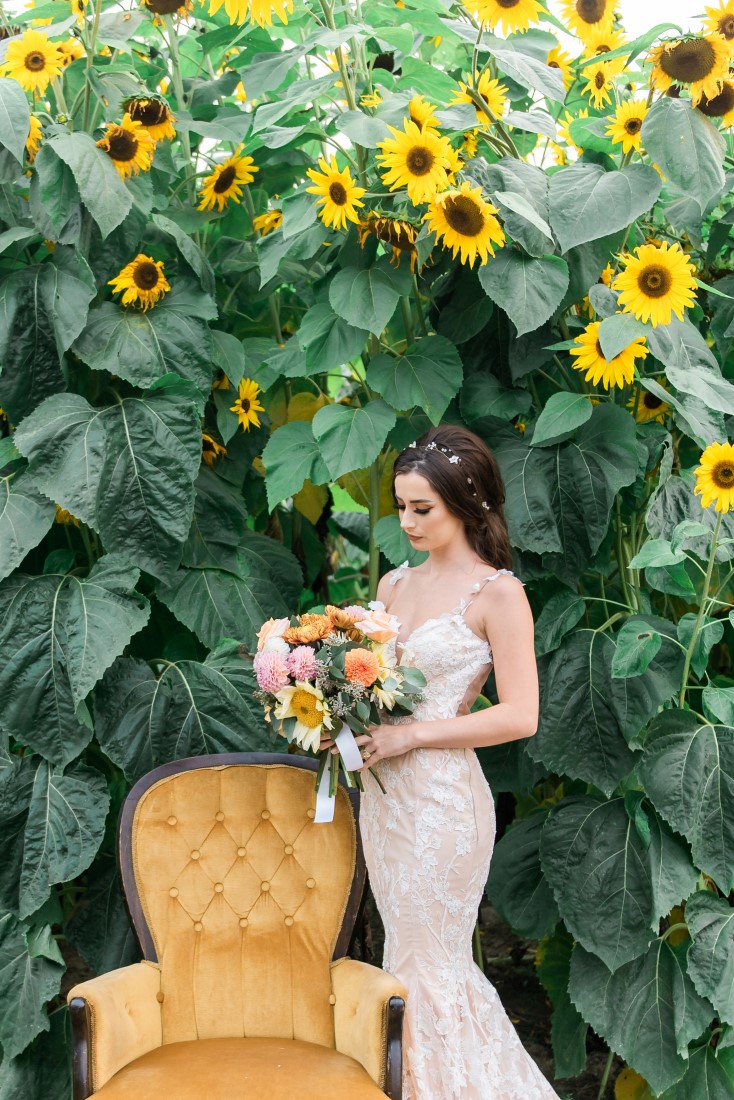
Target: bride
428	842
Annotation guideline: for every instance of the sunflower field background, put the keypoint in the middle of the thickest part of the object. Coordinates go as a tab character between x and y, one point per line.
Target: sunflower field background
251	249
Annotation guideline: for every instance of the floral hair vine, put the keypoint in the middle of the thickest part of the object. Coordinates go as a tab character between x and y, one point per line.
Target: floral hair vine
454	460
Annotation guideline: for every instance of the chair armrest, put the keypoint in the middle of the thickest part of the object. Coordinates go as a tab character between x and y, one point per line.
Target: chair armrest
368	1020
116	1018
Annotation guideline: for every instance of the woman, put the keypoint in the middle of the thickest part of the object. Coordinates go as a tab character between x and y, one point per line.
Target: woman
428	842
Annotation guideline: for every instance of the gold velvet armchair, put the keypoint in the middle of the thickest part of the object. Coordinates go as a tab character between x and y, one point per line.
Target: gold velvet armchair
244	909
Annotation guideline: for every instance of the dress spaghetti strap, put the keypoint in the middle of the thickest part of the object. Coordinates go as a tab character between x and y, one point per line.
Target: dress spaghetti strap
477	588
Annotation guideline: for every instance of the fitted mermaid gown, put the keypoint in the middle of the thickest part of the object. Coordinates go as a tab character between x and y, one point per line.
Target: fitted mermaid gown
428	844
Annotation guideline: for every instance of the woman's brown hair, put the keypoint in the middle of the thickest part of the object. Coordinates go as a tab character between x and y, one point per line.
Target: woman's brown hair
471	488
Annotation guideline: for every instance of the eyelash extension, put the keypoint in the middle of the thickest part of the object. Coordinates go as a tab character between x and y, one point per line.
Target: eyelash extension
418	511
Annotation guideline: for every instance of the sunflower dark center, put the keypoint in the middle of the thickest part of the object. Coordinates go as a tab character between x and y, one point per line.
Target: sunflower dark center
599	352
591	11
603	49
463	215
650	401
689	61
726	26
723	475
151	112
122	145
146	275
654	281
337	193
633	125
553	65
419	160
245	404
394	233
35	61
164	7
508	3
600	80
225	179
721	104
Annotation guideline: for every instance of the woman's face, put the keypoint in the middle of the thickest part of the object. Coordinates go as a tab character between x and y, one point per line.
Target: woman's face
423	515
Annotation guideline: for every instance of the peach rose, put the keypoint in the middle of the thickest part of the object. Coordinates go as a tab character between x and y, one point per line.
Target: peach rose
270	636
378	624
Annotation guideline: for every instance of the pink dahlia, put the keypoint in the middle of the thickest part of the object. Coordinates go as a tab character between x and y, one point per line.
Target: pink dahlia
301	662
271	671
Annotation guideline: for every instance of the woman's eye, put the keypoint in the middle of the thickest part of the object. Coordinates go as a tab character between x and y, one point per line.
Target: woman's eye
423	512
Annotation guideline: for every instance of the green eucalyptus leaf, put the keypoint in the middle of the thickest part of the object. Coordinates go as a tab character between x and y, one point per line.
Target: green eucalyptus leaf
528	289
349	437
426	376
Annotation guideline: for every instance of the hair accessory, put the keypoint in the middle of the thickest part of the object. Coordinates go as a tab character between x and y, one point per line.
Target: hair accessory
453	458
485	505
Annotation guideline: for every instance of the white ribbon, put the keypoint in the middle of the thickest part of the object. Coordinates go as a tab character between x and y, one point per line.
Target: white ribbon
352	757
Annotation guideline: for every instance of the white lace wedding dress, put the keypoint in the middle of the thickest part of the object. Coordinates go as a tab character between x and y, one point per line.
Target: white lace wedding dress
428	844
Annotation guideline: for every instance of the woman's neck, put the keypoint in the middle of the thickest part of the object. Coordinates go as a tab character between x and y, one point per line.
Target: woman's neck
451	559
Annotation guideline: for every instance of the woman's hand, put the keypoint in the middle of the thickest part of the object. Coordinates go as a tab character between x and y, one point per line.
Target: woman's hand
381	743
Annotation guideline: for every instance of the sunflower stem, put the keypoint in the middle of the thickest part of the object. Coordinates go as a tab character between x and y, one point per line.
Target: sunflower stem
374	550
619	541
407	317
419	307
605	1075
699	617
175	57
90	45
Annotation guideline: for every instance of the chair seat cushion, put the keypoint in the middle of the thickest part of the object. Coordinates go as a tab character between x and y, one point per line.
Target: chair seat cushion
242	1069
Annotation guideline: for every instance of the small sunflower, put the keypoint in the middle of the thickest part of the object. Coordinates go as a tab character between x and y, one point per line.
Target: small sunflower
142	281
371	100
715	477
584	17
657	282
721	21
418	160
557	59
306	703
211	451
421	113
649	407
466	223
611	372
77	9
721	106
400	235
626	126
247	405
71	50
564	130
63	516
129	146
267	222
514	15
455	164
154	114
33	141
598	43
262	11
33	61
338	193
701	64
469	144
226	182
599	84
491	91
559	154
168	7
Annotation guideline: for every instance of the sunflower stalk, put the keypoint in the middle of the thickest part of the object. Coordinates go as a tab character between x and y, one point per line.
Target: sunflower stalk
177	79
701	610
374	506
90	46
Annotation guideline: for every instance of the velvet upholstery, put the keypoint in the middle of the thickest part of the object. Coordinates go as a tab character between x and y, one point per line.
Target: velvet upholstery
244	898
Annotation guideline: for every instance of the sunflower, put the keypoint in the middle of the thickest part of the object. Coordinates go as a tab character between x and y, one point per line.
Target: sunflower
129	146
226	182
63	516
33	61
306	703
583	17
416	159
455	164
612	372
514	15
400	235
626	126
247	405
564	130
701	64
262	11
466	223
267	222
143	282
469	144
557	59
77	9
658	281
210	449
421	113
600	42
559	154
33	141
338	193
71	49
599	83
154	114
371	100
649	407
721	106
721	21
715	477
491	91
168	7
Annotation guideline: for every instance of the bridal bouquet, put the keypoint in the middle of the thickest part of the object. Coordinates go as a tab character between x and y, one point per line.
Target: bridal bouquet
331	674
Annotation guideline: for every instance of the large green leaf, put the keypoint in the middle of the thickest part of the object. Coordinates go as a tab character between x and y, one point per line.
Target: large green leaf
568	1027
562	415
647	1011
349	437
709	1076
30	975
100	185
100	929
483	395
367	297
519	63
218	525
14	117
710	921
527	474
291	457
25	517
586	202
687	147
690	364
526	182
600	860
328	340
58	635
190	251
688	771
265	553
427	375
516	886
529	290
42	1071
394	544
637	696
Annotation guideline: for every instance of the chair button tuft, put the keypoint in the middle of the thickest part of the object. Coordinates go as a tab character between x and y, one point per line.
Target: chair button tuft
173	892
243	922
265	886
332	999
195	854
172	820
242	851
310	882
265	815
289	921
198	926
159	997
218	887
310	813
219	816
288	849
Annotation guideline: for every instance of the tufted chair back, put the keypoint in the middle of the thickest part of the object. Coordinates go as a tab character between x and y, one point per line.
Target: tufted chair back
239	896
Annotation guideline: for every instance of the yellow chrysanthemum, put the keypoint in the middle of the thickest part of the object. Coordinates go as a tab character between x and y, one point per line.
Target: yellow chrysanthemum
129	146
564	131
491	91
649	407
597	43
700	64
558	59
599	84
400	235
625	128
33	61
418	160
715	477
371	100
154	114
33	141
466	223
657	282
142	281
226	182
306	703
721	106
71	49
583	17
514	15
721	21
339	194
211	451
610	372
247	405
267	222
420	111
